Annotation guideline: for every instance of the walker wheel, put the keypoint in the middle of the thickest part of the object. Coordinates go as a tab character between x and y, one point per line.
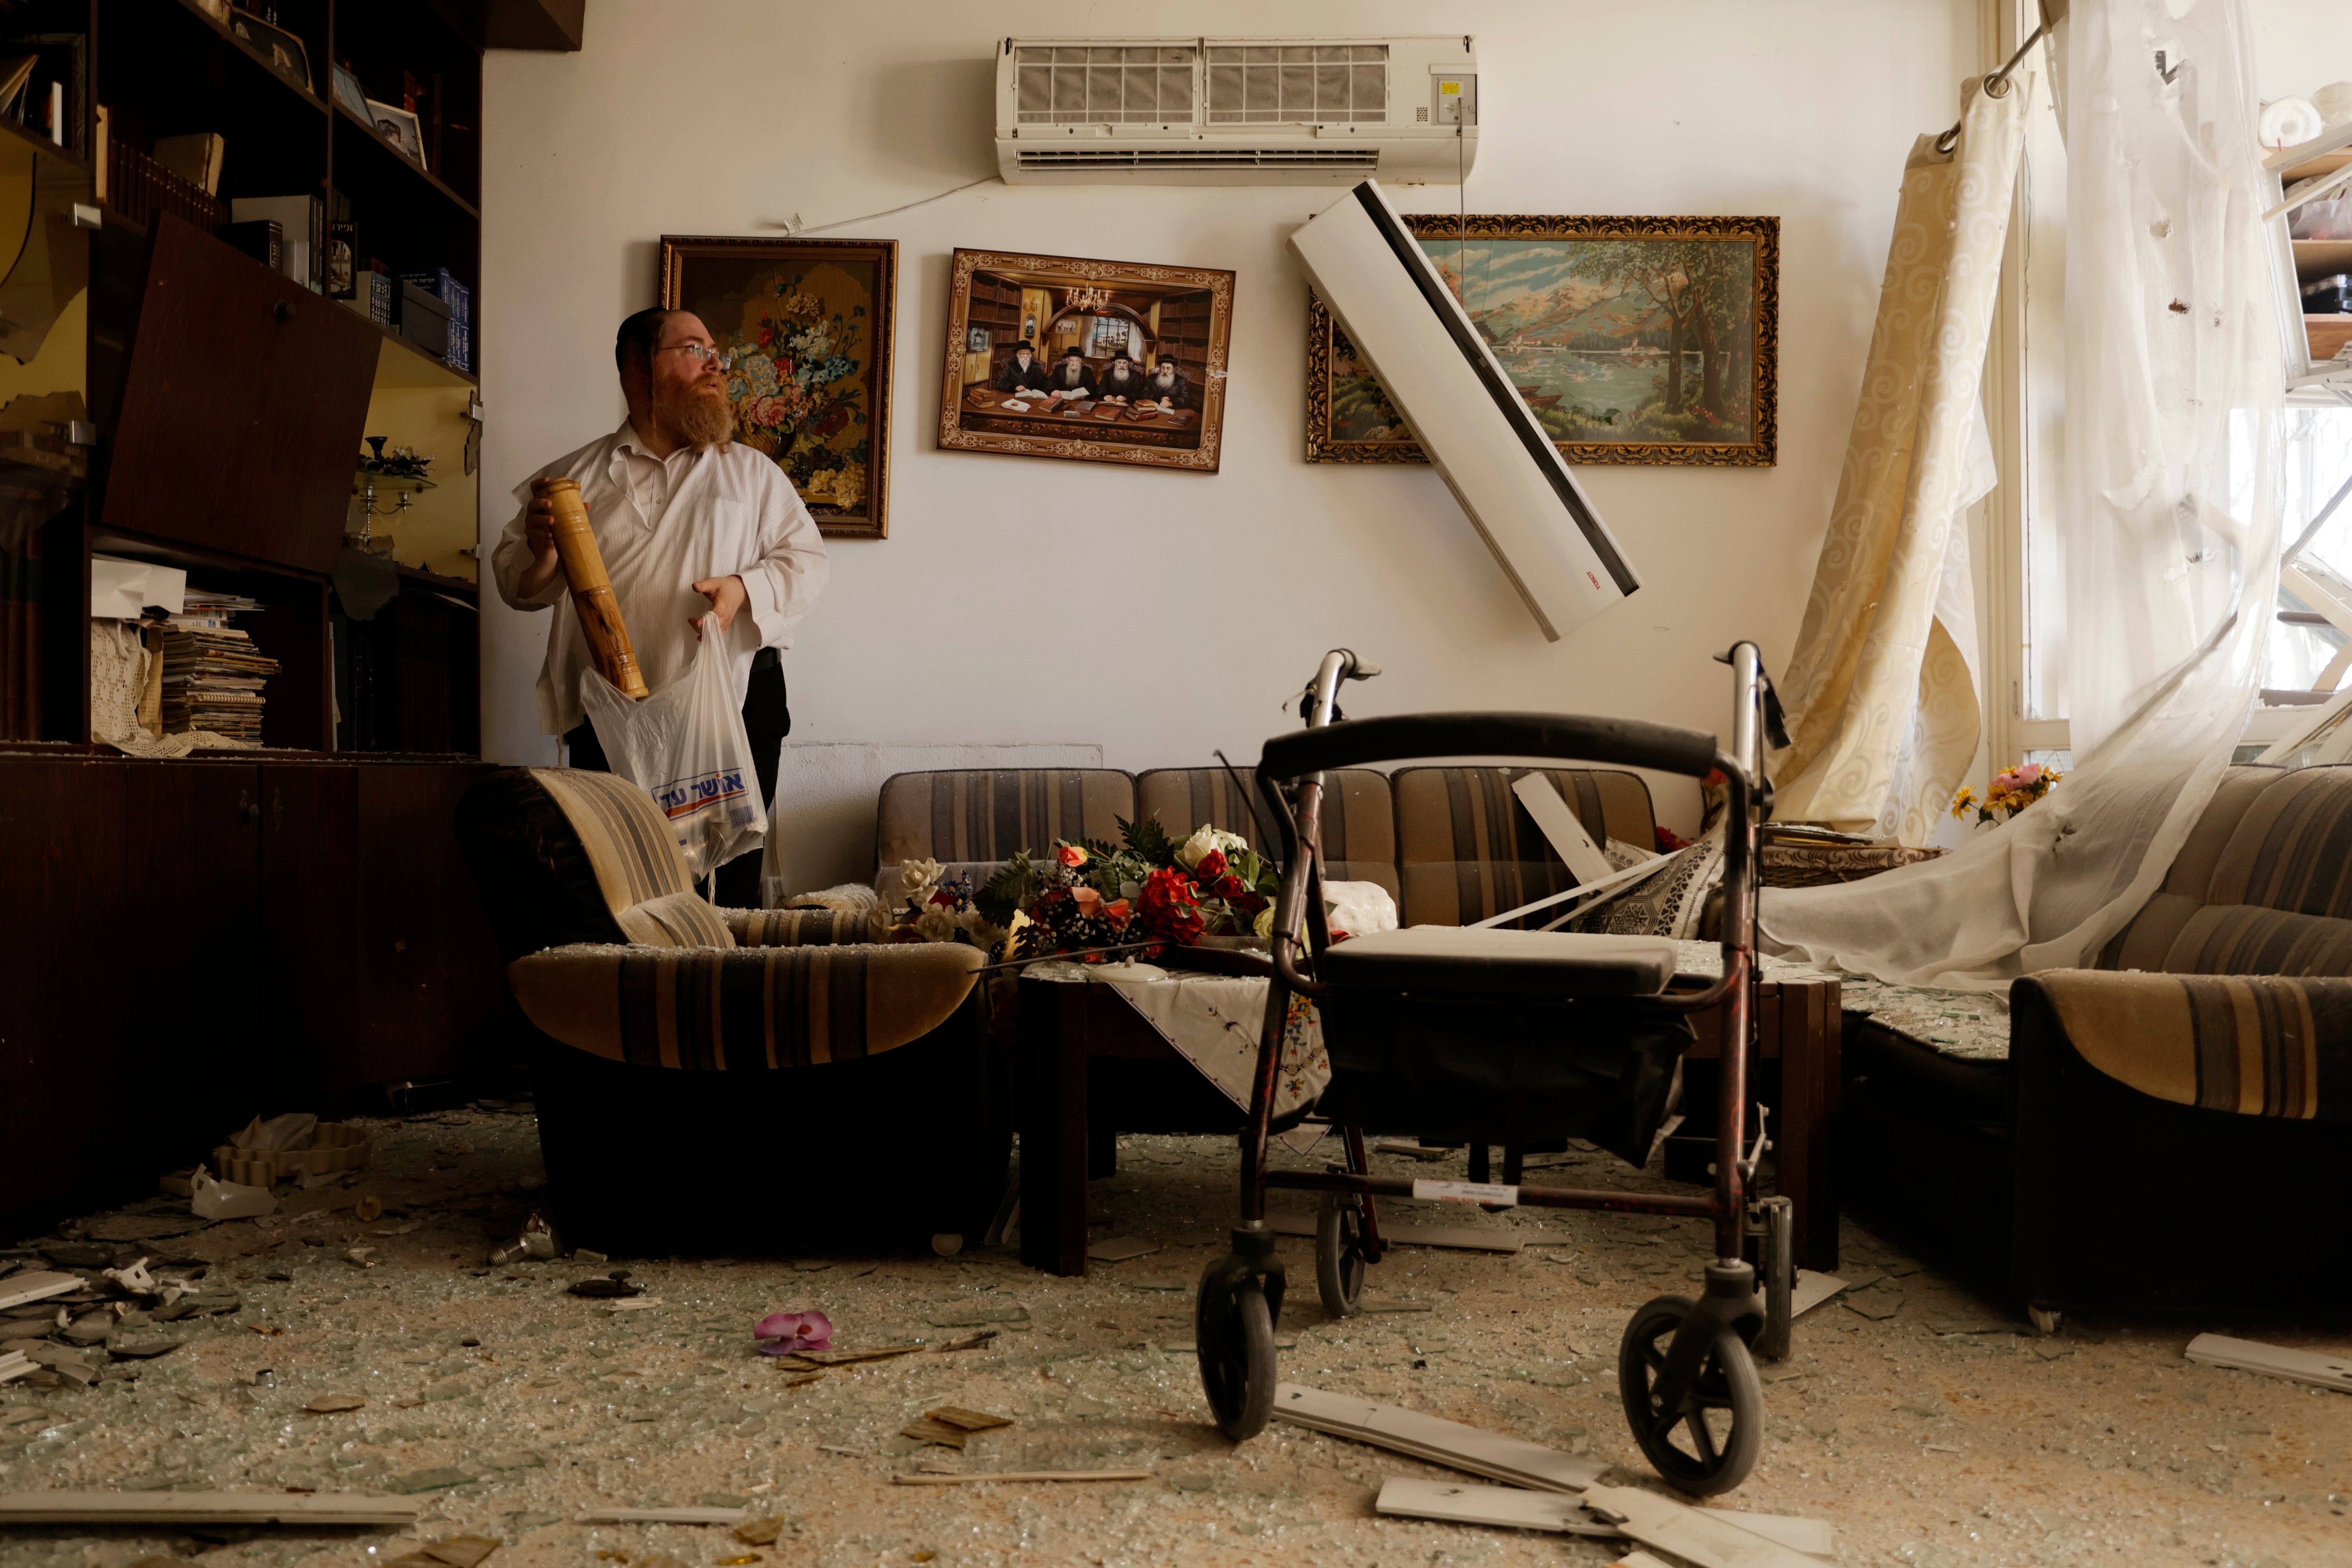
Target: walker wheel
1708	1446
1233	1330
1340	1254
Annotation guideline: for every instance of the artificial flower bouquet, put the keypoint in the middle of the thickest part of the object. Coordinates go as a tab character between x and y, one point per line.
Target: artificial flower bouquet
2011	792
1084	895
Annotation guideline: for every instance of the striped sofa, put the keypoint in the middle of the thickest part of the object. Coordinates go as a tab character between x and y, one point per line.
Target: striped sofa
2157	1113
679	1048
1452	845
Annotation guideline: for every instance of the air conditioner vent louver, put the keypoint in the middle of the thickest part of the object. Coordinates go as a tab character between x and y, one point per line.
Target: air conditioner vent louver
1236	111
1199	158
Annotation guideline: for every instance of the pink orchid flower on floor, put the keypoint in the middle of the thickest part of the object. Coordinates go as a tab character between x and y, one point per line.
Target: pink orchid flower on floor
783	1333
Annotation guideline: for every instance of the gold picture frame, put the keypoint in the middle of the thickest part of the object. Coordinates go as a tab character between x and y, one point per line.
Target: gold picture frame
1095	313
1593	311
814	324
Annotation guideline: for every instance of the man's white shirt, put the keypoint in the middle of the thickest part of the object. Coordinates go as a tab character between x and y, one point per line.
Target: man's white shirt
663	524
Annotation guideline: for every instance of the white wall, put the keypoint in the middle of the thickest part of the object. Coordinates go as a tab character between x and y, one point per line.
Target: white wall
2301	46
1165	614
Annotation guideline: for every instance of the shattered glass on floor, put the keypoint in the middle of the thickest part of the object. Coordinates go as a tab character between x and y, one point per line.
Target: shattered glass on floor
313	1349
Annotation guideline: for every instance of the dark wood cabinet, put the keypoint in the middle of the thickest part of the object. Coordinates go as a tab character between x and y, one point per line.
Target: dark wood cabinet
192	944
242	414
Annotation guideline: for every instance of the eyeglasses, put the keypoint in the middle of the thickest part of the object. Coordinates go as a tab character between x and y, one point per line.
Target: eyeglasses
704	351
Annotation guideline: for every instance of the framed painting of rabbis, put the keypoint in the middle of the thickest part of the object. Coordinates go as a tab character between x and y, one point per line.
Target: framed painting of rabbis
1633	340
1104	361
811	323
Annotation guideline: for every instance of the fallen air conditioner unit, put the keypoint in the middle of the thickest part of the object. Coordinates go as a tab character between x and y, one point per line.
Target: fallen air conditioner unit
1463	408
1235	111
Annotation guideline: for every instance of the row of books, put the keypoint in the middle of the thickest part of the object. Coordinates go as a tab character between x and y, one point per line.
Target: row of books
213	675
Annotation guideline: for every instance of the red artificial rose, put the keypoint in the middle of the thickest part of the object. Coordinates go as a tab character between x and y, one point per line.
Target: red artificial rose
1070	855
1172	907
1669	841
1212	866
1229	886
1248	904
944	897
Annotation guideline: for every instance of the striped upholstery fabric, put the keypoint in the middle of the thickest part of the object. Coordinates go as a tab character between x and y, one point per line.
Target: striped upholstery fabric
1359	817
743	1009
674	920
1467	850
795	928
954	814
2255	1044
562	856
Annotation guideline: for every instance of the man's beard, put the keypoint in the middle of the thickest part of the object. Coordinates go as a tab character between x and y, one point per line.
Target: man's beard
699	415
1165	379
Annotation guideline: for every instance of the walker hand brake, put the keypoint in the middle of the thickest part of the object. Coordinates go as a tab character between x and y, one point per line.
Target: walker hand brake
1755	1154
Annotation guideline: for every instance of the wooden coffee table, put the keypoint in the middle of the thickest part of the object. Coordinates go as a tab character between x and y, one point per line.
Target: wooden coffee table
1066	1025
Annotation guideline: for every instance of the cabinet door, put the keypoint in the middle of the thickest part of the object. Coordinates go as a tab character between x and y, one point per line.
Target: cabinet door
436	993
242	409
189	951
71	1003
314	1002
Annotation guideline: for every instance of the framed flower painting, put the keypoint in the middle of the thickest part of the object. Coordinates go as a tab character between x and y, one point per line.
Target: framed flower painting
1633	340
811	323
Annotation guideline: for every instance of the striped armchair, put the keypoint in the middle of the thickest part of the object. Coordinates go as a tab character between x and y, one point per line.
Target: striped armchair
2157	1117
670	1036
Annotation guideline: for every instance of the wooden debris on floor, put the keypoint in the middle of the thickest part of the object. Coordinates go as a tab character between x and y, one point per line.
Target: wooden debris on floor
1812	1289
1467	1503
811	1361
202	1508
1703	1537
1441	1442
15	1363
449	1552
970	1480
2272	1361
949	1426
20	1289
761	1532
661	1516
1119	1250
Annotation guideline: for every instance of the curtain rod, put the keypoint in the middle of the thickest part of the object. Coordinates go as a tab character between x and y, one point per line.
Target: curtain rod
1997	84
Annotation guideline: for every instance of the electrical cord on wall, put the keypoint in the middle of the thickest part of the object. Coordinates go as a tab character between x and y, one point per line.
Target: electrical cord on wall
793	225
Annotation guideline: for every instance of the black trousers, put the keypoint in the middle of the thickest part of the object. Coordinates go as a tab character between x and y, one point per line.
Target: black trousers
767	720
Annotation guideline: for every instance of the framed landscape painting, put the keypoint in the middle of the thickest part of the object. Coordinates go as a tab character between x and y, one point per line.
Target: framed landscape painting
1633	340
811	323
1106	362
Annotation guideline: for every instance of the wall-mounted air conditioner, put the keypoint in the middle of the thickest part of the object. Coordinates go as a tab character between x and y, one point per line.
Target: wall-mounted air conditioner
1236	111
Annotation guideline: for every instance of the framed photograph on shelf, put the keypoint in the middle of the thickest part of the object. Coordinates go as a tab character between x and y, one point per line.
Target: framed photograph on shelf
349	93
811	323
1104	361
975	340
399	127
1633	340
287	54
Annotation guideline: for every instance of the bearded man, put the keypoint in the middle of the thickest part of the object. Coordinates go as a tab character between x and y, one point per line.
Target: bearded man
1120	382
1071	381
1021	373
1168	386
690	525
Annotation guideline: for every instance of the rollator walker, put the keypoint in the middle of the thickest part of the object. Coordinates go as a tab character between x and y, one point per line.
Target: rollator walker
1533	1034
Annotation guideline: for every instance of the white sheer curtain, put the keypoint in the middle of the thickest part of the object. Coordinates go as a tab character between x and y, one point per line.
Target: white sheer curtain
2174	382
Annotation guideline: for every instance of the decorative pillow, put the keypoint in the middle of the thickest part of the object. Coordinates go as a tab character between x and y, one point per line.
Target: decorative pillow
1672	901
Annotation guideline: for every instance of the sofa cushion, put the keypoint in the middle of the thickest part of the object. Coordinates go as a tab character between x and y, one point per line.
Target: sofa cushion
2292	848
2257	1045
2246	939
1467	850
675	919
2144	943
796	927
735	1008
962	816
1503	962
1359	817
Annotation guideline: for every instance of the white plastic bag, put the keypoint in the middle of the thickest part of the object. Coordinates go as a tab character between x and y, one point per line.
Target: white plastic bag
685	745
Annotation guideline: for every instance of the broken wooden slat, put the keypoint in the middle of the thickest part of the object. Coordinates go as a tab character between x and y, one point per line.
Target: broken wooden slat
1463	1502
1467	1503
1703	1536
1119	1250
15	1363
1469	1238
662	1516
967	1420
23	1287
2272	1361
930	1431
201	1508
1812	1289
938	1480
1439	1441
844	1358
